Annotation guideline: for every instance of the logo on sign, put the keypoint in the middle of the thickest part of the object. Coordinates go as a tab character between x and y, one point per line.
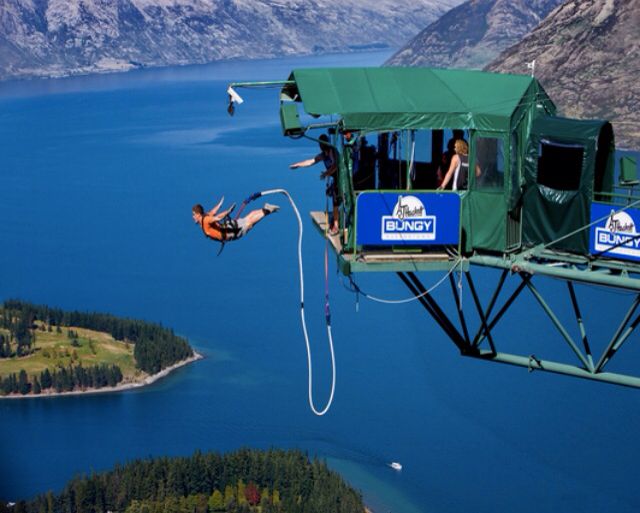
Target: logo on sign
408	221
618	236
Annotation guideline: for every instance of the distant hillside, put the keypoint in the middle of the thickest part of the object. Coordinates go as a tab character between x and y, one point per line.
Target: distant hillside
62	37
474	33
588	59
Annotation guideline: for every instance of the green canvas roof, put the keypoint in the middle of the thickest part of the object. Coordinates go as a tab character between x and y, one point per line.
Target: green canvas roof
395	98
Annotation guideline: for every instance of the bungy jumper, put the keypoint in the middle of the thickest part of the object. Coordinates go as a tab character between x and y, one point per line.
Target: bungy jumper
542	199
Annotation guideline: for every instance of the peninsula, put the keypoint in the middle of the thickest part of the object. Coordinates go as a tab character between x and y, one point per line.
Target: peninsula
48	352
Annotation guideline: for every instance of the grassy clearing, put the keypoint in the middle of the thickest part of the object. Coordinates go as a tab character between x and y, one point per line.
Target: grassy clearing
54	349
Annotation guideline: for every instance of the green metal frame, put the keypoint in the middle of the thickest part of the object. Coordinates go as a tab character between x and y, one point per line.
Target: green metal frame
472	346
543	260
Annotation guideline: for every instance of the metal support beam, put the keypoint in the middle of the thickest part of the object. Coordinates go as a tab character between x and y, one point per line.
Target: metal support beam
470	347
429	304
436	307
583	332
606	355
621	340
559	325
458	300
270	83
584	273
480	335
559	368
483	318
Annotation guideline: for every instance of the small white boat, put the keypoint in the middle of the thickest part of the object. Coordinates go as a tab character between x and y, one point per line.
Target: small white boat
395	465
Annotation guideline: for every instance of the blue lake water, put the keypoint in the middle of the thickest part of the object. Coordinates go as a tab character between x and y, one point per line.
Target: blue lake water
97	179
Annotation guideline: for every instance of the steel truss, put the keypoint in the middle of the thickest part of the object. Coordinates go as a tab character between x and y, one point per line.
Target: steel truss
489	315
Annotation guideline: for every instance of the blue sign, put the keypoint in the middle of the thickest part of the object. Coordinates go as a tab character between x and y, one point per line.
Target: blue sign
407	218
615	234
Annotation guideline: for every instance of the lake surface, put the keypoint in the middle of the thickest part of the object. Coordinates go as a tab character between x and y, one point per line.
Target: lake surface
97	179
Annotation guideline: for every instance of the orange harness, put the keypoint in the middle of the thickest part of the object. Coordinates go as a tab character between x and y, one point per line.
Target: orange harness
226	230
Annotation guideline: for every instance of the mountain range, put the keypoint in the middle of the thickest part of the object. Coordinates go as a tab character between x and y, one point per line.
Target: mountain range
65	37
587	55
587	52
473	33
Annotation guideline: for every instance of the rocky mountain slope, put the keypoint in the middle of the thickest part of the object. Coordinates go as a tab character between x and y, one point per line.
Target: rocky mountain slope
61	37
587	56
473	33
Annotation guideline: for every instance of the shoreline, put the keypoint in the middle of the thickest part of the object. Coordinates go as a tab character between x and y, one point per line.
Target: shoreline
122	387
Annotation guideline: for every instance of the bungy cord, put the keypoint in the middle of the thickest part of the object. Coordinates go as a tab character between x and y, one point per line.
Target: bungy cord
302	316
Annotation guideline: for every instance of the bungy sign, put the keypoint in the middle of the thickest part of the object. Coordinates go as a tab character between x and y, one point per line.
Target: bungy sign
615	235
407	218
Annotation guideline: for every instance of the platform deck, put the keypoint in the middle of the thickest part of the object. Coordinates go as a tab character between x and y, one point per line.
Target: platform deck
380	260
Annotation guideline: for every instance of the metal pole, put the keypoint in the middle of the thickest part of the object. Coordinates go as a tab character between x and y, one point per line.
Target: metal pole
446	327
456	296
428	308
583	333
558	324
558	368
613	340
496	293
479	338
611	351
263	84
427	297
483	319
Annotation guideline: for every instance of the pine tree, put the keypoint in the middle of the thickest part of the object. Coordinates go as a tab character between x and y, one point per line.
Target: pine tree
24	387
229	495
36	385
45	379
265	495
216	501
134	507
241	489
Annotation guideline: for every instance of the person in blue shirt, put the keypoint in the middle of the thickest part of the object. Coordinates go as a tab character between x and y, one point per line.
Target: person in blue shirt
328	156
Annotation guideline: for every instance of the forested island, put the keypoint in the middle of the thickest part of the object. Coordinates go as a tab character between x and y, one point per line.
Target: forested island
245	481
47	350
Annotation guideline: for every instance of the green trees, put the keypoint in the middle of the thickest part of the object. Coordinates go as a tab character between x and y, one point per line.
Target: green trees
20	329
45	379
20	332
292	484
5	347
36	385
24	387
63	379
216	501
155	347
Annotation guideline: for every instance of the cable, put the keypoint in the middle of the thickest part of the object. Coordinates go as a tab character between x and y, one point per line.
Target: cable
356	289
302	315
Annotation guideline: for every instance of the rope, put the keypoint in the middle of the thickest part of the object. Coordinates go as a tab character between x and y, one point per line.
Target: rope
302	315
251	198
411	173
357	290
